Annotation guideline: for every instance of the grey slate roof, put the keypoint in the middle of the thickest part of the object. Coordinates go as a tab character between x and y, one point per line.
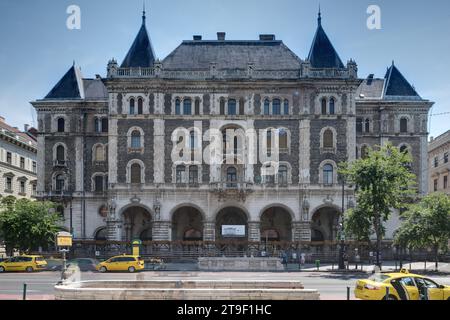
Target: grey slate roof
69	87
322	53
397	85
94	89
141	53
393	87
226	54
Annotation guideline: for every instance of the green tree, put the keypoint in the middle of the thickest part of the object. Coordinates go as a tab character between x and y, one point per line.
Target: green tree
427	225
26	225
383	181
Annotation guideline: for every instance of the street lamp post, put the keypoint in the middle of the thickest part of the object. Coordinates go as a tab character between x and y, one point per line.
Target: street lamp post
341	229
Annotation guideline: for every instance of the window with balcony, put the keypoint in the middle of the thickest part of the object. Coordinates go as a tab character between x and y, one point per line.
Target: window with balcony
60	183
135	139
231	177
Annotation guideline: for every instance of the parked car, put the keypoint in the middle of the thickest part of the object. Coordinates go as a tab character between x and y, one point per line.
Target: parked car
84	264
402	286
23	263
124	262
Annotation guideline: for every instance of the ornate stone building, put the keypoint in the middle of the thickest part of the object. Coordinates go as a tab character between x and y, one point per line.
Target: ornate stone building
106	145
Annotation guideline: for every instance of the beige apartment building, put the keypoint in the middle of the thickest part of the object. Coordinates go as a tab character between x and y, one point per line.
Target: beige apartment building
438	159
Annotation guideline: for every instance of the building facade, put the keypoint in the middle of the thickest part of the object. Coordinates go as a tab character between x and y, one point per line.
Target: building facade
439	165
108	146
18	163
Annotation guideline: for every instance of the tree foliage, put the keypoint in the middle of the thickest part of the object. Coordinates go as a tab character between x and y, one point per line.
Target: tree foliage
383	182
426	224
26	225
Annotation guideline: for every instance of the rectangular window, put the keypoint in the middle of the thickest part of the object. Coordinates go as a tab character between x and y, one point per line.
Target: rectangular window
436	162
33	189
446	157
9	157
34	167
98	183
180	174
445	182
193	175
105	125
435	185
22	187
9	184
22	162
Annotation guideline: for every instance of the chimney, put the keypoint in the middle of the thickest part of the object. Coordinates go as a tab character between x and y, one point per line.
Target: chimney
197	38
221	36
2	119
97	76
26	127
266	37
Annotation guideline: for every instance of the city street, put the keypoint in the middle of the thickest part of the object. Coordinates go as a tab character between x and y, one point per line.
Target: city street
331	285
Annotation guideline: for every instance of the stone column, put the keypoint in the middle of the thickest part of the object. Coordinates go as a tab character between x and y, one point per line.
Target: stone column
209	231
161	230
40	164
304	150
254	231
79	169
112	151
158	160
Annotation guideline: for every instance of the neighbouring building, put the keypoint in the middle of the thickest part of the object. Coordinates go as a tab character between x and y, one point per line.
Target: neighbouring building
18	164
106	144
439	165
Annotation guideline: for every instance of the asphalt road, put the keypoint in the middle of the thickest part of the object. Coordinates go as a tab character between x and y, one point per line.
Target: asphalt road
332	286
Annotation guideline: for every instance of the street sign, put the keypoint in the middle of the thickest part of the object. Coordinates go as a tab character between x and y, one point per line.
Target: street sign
63	239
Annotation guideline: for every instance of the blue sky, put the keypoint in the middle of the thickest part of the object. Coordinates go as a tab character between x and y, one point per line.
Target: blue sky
36	47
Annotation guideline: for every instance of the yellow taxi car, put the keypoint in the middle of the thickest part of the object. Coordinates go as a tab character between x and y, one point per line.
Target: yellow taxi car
23	263
400	286
124	262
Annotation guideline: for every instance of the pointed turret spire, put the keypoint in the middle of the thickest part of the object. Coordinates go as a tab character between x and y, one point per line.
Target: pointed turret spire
396	84
319	19
141	53
143	13
69	87
322	53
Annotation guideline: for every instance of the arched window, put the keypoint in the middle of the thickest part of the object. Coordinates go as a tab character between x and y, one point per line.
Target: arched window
367	126
140	103
282	175
60	182
403	125
177	107
187	106
232	107
180	173
328	174
60	154
101	235
99	154
61	125
328	139
266	107
359	125
222	106
332	106
404	149
276	107
135	139
135	175
283	140
241	107
364	152
132	106
324	105
192	143
231	177
286	107
197	106
193	175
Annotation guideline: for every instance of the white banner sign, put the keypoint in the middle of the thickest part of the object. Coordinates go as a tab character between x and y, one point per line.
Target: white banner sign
233	231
